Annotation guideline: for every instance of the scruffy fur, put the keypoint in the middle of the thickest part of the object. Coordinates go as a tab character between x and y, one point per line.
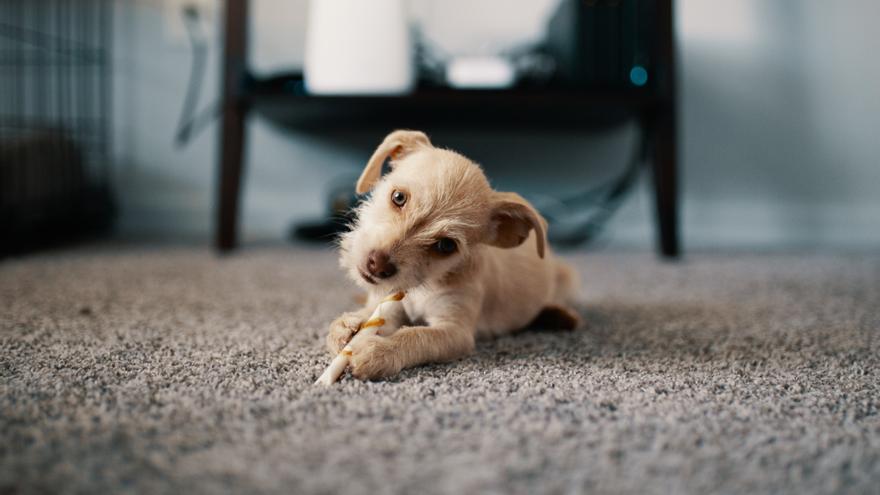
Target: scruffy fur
500	278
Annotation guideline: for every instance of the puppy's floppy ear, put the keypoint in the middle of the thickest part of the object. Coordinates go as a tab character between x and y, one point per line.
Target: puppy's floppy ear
397	145
511	220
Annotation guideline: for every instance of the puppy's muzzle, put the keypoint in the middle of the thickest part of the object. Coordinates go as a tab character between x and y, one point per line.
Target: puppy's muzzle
379	265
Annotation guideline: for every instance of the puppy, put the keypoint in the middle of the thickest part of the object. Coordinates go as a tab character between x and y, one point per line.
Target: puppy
474	261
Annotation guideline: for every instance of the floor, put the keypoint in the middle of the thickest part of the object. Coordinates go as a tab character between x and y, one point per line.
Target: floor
172	370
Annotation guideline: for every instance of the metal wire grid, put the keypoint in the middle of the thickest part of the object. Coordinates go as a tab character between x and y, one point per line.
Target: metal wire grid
55	120
55	75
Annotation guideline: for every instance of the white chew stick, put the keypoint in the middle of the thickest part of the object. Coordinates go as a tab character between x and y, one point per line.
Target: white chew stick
367	328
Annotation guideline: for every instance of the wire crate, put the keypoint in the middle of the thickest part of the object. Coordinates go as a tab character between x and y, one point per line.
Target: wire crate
55	121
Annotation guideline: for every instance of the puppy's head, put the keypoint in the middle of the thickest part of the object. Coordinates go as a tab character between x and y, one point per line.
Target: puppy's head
425	218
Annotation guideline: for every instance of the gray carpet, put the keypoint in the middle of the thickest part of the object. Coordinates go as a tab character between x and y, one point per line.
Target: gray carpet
170	370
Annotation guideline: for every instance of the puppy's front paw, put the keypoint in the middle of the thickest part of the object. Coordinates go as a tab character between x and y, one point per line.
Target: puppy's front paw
374	358
341	331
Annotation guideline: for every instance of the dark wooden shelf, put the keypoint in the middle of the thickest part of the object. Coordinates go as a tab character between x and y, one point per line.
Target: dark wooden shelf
283	100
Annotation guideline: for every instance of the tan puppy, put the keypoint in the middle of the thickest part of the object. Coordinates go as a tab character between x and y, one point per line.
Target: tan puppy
474	261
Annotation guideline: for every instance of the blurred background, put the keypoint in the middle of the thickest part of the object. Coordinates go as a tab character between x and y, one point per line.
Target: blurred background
110	116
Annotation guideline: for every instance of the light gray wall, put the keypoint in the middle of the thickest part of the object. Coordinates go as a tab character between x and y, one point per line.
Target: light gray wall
780	112
779	123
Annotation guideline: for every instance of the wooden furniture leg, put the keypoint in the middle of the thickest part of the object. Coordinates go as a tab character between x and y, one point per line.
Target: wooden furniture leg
232	128
664	146
665	176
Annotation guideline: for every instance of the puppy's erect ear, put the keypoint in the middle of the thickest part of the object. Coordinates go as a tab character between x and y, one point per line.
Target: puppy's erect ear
397	145
511	220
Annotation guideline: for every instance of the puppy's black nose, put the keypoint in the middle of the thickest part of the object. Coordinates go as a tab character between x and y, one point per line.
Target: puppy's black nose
379	265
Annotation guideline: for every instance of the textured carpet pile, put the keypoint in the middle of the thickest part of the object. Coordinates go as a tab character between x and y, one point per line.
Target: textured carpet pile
171	370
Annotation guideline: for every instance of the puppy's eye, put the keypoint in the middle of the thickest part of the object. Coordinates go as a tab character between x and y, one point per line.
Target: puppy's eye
398	198
445	246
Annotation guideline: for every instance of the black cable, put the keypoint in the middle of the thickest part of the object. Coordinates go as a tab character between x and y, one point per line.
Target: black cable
191	123
611	197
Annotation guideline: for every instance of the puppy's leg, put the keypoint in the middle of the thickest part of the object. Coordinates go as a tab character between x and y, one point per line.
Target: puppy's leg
449	334
344	327
380	357
556	317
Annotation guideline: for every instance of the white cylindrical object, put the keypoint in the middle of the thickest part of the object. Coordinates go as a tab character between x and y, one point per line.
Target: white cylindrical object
480	72
369	328
358	47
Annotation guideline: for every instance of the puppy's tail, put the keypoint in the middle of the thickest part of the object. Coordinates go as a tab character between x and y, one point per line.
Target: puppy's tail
567	282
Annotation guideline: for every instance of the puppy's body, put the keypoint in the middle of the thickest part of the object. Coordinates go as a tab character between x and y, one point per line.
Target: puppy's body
509	288
472	260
